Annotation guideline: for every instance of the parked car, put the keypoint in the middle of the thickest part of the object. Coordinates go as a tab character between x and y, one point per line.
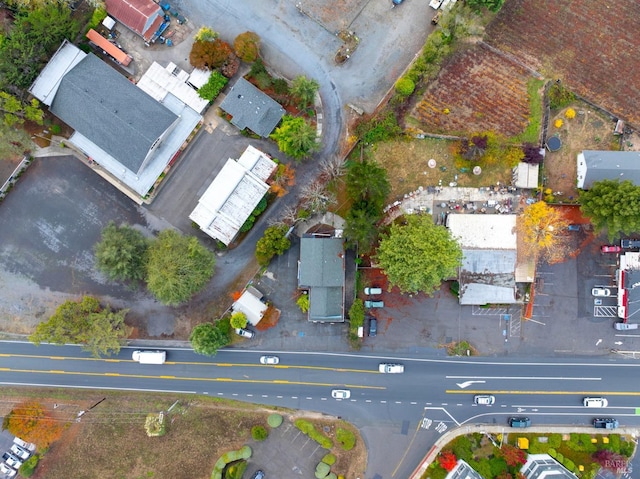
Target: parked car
11	460
595	402
606	248
29	446
374	304
574	227
19	452
484	400
391	368
630	243
373	327
340	393
601	292
435	4
6	470
519	422
372	290
245	333
269	359
259	474
605	423
625	326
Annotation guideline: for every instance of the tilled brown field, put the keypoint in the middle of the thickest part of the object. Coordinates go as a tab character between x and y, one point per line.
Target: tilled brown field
592	46
476	90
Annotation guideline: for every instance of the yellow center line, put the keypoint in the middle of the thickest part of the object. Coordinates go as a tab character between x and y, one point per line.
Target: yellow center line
192	363
557	393
205	379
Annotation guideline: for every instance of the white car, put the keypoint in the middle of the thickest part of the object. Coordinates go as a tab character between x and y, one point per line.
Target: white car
601	292
18	451
29	446
12	460
6	470
340	394
391	368
484	400
269	359
595	402
245	333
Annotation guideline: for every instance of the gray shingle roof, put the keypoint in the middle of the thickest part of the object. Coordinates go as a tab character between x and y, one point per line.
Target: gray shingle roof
251	108
487	276
322	271
610	165
105	107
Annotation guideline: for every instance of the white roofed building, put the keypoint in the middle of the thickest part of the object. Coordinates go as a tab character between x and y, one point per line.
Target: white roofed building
233	195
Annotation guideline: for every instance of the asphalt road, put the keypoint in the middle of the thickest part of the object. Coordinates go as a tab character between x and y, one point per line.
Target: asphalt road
414	408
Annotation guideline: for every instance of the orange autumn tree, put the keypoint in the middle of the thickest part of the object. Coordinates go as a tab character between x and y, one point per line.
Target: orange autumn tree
34	423
544	231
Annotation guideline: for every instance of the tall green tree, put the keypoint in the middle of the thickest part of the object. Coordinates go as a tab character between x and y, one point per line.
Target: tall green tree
207	338
99	330
121	253
366	181
296	137
612	205
35	35
304	90
418	255
273	242
178	267
361	227
15	111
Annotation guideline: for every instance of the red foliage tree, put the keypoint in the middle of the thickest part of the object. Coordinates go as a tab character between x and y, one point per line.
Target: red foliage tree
209	55
609	459
504	475
513	456
32	422
448	460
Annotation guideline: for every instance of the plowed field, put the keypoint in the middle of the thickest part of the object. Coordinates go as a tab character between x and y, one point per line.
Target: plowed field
476	90
592	46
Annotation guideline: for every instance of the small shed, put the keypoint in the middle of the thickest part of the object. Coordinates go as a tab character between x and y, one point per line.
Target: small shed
250	303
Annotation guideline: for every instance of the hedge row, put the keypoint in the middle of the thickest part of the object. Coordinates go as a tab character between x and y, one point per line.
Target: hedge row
309	429
243	453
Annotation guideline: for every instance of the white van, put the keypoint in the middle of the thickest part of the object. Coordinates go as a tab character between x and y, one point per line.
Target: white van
149	357
595	402
372	291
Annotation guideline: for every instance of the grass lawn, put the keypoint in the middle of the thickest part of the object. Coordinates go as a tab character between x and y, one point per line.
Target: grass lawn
406	162
110	440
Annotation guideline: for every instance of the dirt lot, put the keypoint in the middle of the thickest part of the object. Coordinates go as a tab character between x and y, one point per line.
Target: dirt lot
592	46
476	90
409	168
110	440
589	130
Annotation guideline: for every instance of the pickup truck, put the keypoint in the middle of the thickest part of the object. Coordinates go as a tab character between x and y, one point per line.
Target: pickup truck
149	357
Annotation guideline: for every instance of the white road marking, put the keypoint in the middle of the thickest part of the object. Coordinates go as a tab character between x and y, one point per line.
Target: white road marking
527	378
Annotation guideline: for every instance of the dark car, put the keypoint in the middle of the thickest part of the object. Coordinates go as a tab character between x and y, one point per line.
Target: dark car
605	423
259	474
519	422
630	243
373	327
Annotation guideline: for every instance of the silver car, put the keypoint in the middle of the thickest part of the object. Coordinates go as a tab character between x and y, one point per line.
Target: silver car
340	394
269	359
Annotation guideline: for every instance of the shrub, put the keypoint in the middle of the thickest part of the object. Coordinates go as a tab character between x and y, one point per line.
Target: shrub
213	87
559	97
462	448
247	46
378	129
280	86
243	453
322	470
264	80
236	470
238	320
329	459
309	429
303	302
345	438
205	34
552	452
56	129
332	475
356	313
28	468
405	86
259	433
569	464
570	113
274	420
558	123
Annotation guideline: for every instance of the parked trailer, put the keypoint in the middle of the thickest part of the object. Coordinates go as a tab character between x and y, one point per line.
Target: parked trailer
149	357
